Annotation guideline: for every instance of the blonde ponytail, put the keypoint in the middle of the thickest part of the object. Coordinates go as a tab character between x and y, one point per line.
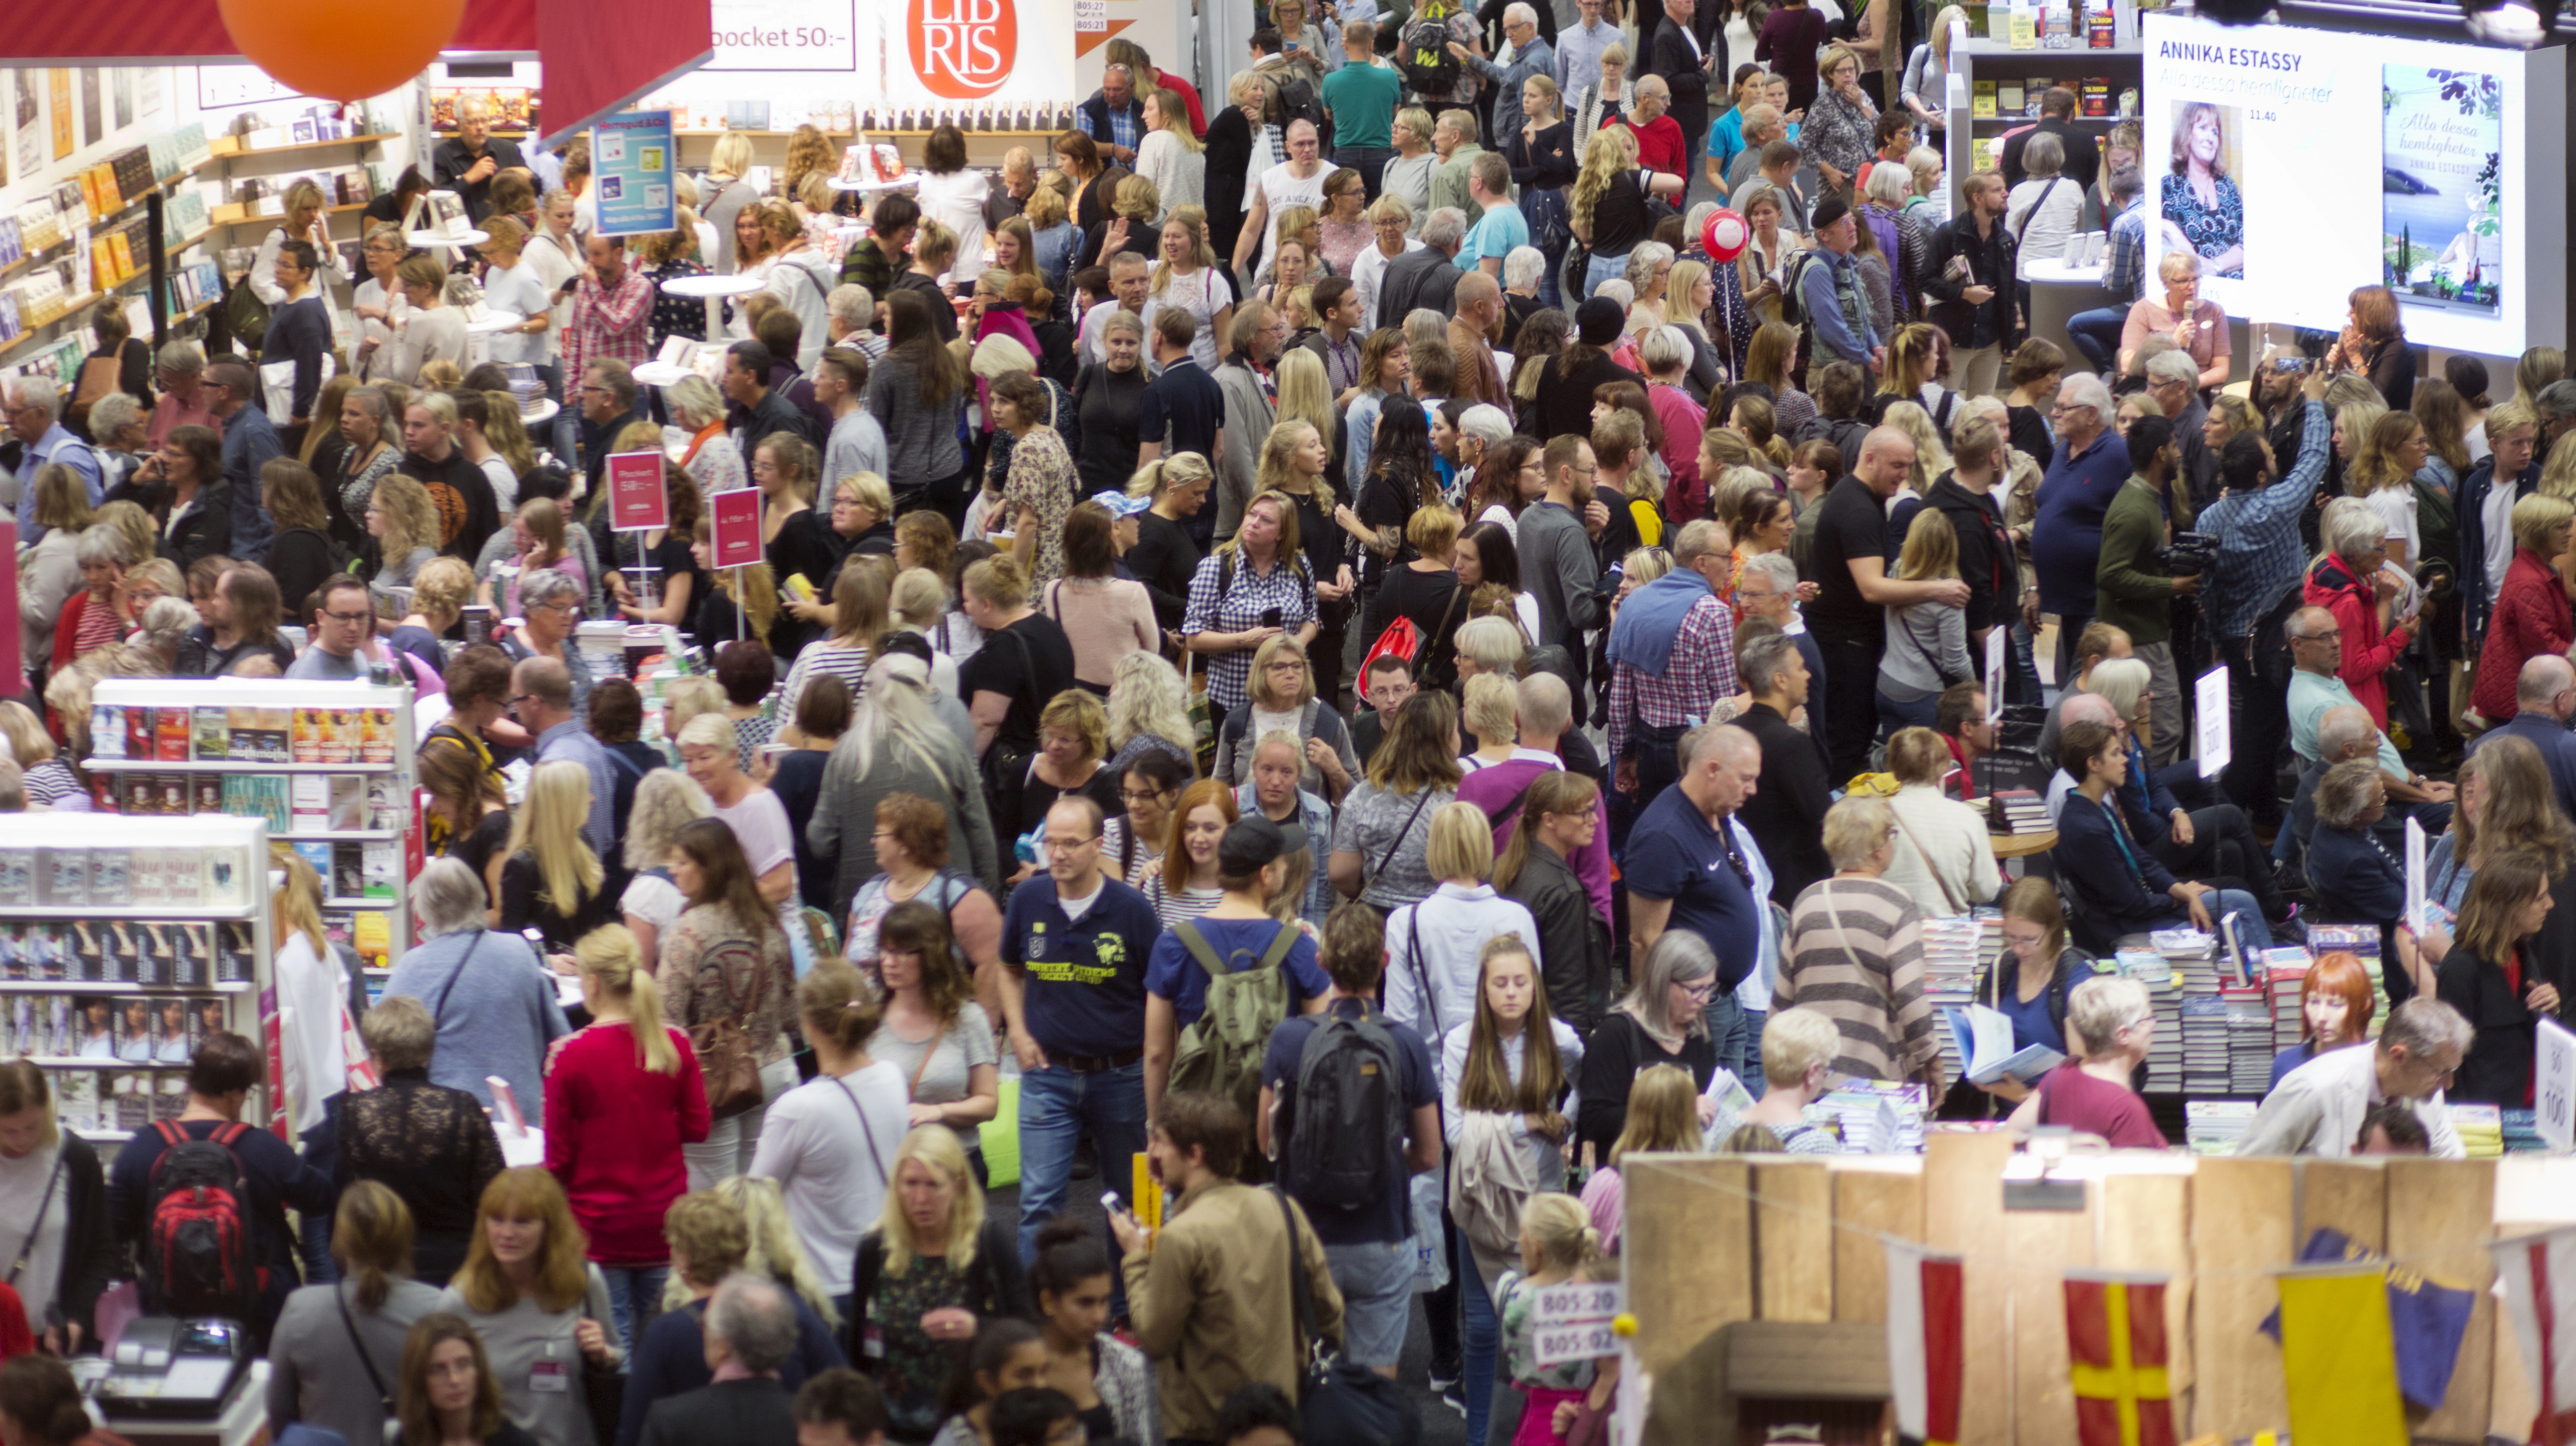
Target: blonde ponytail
1561	1229
609	952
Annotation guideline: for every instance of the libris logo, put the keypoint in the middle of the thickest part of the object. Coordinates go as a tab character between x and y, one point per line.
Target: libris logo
963	49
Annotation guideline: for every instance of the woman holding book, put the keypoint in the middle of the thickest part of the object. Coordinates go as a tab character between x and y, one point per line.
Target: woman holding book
2028	984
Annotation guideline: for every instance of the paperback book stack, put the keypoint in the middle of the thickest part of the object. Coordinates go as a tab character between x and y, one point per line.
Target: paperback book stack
2165	1050
2212	1127
2018	810
2361	941
2249	1042
1953	951
2285	972
1874	1117
2481	1129
2204	1045
2522	1131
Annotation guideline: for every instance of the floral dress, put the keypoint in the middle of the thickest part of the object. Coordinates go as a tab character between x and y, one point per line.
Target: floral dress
675	315
916	1367
2209	229
1042	480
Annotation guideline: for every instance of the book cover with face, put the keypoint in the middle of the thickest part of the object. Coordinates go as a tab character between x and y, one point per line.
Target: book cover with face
97	1029
170	1032
134	1031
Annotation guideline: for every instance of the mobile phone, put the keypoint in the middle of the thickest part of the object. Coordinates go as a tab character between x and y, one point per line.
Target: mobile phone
1270	617
1109	1202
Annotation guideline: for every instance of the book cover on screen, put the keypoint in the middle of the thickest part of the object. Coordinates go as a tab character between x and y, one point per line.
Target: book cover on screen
2442	187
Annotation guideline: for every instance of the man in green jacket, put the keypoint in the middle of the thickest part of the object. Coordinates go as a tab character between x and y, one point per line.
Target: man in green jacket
2135	592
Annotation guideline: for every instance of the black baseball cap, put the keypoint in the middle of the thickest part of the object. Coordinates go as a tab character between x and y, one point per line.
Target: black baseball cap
1252	843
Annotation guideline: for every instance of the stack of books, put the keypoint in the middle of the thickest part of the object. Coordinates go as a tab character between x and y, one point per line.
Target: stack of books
2165	1051
2212	1127
1874	1117
2285	971
2204	1045
2249	1042
1953	952
2481	1129
2018	810
2522	1131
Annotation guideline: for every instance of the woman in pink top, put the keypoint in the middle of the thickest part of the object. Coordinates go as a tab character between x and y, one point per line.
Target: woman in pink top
622	1097
2197	326
2111	1022
1103	615
1666	351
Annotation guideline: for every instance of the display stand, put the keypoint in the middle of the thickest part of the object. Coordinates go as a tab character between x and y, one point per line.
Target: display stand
123	943
712	288
327	766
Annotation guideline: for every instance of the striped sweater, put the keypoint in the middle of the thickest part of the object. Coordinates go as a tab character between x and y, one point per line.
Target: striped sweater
1855	952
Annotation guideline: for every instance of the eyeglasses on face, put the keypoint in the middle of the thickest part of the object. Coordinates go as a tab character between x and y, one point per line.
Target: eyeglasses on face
350	618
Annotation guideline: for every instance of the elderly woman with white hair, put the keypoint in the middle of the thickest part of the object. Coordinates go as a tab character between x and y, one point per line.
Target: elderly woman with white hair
1650	265
2109	1024
896	744
851	312
2089	468
491	998
1527	277
712	460
1148	712
118	423
1666	354
1854	951
2350	579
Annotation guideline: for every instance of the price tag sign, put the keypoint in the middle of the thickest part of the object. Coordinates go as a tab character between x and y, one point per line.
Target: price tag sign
1995	639
636	499
2209	720
2553	1085
1573	1321
733	527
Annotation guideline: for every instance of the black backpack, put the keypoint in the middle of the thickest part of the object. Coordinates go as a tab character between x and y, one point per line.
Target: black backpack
1347	1106
197	1253
1429	68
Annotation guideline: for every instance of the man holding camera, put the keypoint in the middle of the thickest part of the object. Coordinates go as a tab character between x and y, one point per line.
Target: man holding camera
2135	588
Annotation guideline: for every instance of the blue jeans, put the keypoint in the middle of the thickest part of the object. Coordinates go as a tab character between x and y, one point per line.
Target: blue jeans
2096	333
1376	1282
1595	271
1483	1330
1747	1064
1725	1020
2250	927
1369	161
1895	713
1057	1106
634	1297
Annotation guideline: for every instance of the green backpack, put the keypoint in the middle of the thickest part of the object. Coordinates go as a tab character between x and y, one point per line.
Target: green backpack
1221	1052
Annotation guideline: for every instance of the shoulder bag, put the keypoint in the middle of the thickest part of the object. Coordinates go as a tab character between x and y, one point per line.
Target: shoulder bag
44	1204
725	1053
868	1130
1339	1401
1396	842
1929	867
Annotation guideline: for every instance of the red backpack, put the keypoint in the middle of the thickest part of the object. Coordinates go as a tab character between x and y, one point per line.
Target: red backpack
197	1257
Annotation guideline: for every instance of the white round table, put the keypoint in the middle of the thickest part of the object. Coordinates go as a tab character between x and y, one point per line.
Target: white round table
662	374
492	321
546	410
2058	292
713	288
873	187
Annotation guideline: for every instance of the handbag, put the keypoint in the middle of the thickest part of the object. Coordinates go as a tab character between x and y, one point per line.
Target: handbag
603	1390
1347	1404
723	1045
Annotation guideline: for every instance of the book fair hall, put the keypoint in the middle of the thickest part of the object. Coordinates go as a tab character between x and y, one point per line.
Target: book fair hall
1098	722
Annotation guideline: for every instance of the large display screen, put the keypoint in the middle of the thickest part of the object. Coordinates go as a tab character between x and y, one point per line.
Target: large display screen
2300	164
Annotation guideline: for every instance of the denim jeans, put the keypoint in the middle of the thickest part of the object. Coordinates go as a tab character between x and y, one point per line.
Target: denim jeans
1658	756
1896	713
1596	271
1057	1106
1376	1282
1369	161
1747	1063
2251	930
2096	333
1483	1332
634	1297
1725	1019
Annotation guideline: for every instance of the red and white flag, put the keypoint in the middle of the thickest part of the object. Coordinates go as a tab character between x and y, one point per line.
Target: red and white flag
1925	1347
2539	1277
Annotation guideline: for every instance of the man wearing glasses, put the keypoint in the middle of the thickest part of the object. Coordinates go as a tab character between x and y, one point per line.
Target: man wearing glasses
2089	469
34	406
180	370
344	628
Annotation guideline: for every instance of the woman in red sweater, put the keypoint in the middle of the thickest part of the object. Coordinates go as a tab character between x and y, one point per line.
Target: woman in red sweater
622	1096
2347	582
2531	616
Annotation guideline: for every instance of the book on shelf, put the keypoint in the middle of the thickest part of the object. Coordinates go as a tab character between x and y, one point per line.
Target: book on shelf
2008	98
1986	98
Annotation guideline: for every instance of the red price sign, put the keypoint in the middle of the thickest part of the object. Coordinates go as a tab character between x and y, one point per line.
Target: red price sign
733	531
636	499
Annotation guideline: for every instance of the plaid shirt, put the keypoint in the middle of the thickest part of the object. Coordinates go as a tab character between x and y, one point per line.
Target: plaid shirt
2259	552
2124	255
609	322
1236	607
1700	671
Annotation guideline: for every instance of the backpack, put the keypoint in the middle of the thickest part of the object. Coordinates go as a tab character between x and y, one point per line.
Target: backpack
1221	1052
1424	55
1297	102
197	1255
1347	1107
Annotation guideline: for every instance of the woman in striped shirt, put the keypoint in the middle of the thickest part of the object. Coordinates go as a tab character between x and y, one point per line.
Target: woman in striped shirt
1185	886
858	616
1856	953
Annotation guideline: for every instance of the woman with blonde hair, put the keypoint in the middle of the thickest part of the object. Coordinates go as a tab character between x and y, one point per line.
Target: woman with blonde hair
404	523
932	1270
1256	574
1931	449
48	779
712	460
1609	213
2382	474
1284	698
1148	712
859	598
666	800
740	602
310	983
1170	158
1073	742
1944	860
531	1298
1663	1118
49	573
830	1142
552	880
623	1096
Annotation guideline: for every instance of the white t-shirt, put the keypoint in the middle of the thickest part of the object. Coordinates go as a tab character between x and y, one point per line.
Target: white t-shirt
521	291
2396	508
1281	188
830	1143
505	482
655	900
759	824
310	998
554	264
2497	513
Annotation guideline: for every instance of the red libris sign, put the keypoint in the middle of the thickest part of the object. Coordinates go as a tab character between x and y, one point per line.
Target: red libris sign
963	49
733	527
636	499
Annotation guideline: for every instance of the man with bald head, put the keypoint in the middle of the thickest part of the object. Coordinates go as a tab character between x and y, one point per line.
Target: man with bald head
1688	865
1296	181
1479	306
1848	559
2544	698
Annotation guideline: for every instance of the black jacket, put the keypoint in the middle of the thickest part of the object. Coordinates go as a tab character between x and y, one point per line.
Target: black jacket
754	1412
776	413
1672	58
300	558
1787	810
1229	151
2497	1069
1563	405
1992	261
205	530
995	1284
1572	937
1986	558
2083	157
89	1247
1417	278
1096	113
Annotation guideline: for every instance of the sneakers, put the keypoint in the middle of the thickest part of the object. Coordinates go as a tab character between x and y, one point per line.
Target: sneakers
1445	1384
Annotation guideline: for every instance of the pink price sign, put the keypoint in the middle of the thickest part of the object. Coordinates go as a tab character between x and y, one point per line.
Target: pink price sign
636	499
734	527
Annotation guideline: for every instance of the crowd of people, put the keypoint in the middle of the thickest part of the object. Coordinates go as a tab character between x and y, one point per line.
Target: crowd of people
1275	599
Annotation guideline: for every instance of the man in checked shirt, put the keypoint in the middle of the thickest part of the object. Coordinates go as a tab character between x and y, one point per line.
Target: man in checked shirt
1672	656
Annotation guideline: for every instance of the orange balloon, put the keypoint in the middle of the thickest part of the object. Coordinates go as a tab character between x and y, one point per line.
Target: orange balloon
341	49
